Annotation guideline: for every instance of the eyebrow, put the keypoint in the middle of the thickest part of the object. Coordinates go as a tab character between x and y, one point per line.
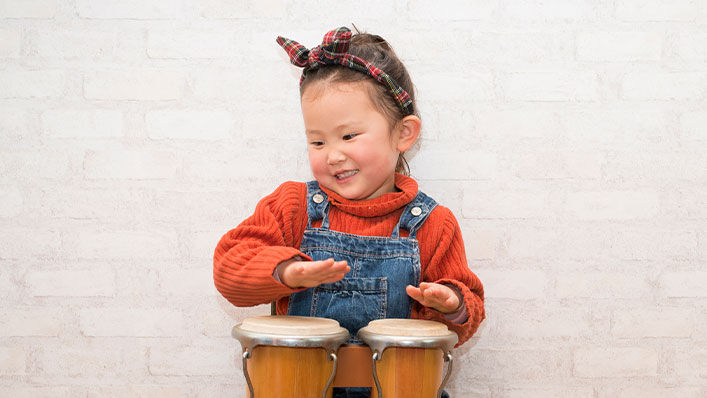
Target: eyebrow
339	127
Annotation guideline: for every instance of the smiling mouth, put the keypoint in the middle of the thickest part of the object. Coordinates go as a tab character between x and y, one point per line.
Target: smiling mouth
346	174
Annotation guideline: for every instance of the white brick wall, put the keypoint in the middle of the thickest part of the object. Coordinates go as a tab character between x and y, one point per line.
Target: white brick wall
130	9
657	10
9	43
12	361
111	322
568	137
32	9
615	362
128	164
39	84
612	46
189	125
98	281
82	124
23	321
664	86
136	85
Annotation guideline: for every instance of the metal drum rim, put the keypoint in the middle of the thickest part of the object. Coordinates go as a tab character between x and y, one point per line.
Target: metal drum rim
250	339
379	342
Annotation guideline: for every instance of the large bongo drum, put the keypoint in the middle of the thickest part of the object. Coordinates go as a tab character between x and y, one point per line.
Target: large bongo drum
408	357
289	356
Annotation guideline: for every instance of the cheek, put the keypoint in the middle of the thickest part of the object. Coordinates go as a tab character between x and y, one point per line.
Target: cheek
381	156
317	162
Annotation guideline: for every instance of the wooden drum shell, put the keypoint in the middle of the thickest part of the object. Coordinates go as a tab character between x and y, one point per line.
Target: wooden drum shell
409	356
289	356
409	372
289	372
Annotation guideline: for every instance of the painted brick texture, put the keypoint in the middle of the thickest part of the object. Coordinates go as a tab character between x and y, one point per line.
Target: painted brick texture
567	136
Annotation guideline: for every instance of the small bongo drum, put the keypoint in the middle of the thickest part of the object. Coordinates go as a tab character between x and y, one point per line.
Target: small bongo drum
411	354
289	355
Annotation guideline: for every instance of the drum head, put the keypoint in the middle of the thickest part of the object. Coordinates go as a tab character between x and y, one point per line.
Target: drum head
407	327
291	325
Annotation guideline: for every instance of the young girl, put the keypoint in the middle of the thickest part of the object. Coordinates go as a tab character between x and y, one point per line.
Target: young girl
360	242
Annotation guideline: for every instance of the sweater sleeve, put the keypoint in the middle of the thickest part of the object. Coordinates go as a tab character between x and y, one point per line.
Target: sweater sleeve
246	256
447	265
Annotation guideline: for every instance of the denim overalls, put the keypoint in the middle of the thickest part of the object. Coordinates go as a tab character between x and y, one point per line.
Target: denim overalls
381	268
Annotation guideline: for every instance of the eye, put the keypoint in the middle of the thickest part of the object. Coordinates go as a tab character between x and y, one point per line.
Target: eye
350	136
316	143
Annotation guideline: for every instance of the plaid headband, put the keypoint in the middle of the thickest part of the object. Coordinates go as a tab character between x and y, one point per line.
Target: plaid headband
334	51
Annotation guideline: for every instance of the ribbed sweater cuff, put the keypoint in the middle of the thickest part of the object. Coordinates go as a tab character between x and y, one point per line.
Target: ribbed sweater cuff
276	275
460	316
270	257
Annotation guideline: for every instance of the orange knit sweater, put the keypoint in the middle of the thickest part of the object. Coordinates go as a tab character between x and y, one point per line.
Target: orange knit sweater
247	255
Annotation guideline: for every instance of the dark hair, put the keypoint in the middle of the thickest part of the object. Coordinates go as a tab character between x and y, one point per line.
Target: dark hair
378	52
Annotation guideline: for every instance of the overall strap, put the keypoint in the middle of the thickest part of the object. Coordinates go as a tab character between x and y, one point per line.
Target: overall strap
414	215
317	205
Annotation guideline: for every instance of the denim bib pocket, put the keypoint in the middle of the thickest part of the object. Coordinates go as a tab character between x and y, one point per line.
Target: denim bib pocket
352	301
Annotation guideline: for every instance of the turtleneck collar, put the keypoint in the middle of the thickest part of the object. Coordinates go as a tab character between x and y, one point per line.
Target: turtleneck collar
381	205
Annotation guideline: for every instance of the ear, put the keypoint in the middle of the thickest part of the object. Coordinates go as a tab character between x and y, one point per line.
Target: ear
408	131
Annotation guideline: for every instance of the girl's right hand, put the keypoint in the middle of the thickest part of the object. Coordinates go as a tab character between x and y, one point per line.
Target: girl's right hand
296	274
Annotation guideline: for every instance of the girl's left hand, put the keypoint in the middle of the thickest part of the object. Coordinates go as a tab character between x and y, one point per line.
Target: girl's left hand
440	297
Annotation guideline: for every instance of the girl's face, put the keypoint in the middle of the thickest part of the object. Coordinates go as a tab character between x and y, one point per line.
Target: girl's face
352	150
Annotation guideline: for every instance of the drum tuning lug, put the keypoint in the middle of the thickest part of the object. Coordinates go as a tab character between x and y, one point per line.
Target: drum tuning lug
332	357
376	357
447	358
246	355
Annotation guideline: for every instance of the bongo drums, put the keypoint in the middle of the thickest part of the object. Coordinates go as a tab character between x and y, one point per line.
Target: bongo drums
411	354
289	356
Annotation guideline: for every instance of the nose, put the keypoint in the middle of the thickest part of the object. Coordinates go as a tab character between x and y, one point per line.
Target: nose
335	156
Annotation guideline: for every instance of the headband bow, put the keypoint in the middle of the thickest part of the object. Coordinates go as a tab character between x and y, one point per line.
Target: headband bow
334	51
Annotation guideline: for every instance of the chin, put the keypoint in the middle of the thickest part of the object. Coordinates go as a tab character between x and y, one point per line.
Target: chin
351	194
348	192
348	195
359	196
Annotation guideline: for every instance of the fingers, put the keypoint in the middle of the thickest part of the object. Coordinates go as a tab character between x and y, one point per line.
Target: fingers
334	278
314	273
434	295
435	291
414	292
327	266
424	294
429	290
331	271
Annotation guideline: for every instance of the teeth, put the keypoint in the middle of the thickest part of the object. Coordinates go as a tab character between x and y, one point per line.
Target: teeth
347	174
